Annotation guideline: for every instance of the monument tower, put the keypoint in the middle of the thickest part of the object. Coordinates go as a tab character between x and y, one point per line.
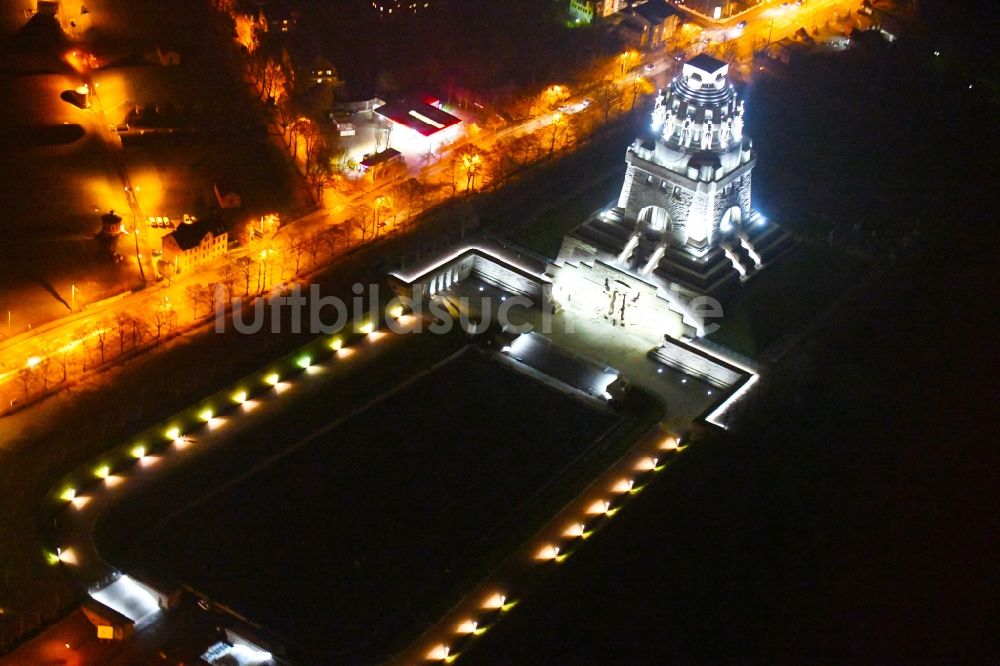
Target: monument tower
684	225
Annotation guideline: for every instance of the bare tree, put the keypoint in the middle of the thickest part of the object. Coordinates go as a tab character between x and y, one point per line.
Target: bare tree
64	357
83	335
525	148
200	297
245	266
43	367
607	96
639	86
268	256
288	120
318	170
246	29
139	330
217	294
328	238
582	125
318	175
161	319
557	133
501	163
296	130
121	330
339	160
309	245
346	229
254	64
412	191
167	270
207	296
26	376
360	220
101	336
230	276
271	79
470	162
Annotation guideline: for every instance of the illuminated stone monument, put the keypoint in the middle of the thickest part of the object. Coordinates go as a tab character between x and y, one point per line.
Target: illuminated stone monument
684	226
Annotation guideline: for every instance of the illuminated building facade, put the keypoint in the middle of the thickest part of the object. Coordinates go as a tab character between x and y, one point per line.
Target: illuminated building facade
390	8
657	20
193	244
282	16
604	8
321	71
584	11
684	226
419	124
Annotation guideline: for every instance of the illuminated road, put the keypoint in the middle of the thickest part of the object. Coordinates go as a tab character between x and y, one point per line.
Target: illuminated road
102	128
773	21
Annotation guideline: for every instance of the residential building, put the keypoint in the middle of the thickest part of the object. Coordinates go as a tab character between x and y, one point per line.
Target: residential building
193	244
604	8
321	70
581	11
585	11
281	15
658	22
787	51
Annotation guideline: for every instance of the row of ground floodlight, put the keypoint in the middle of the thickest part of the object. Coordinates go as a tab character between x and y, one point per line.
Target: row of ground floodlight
178	432
595	515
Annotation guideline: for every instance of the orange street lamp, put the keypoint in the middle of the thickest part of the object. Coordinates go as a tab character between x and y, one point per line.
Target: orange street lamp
381	201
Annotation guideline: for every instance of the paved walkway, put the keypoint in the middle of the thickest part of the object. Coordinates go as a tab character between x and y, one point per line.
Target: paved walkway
685	397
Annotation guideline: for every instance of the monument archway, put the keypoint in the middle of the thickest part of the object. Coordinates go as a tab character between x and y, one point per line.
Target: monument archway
731	219
656	218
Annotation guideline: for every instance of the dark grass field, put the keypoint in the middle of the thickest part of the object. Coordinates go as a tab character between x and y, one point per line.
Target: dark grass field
339	545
